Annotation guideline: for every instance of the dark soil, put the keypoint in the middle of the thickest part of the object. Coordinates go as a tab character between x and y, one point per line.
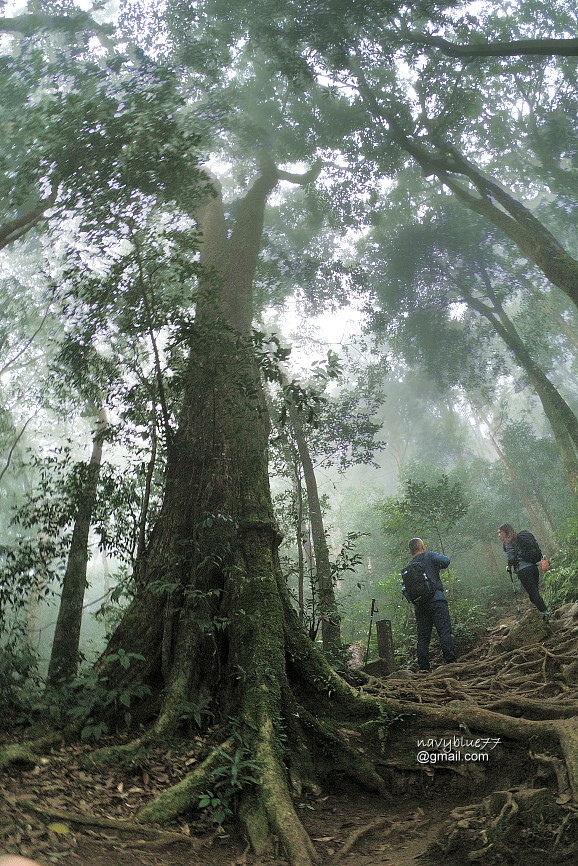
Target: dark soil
395	833
61	809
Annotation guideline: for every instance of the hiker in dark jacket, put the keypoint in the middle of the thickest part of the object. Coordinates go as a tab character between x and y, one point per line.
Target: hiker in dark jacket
528	572
434	612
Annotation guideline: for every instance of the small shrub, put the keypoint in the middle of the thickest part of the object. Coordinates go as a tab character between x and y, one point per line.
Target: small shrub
89	698
19	681
228	780
561	580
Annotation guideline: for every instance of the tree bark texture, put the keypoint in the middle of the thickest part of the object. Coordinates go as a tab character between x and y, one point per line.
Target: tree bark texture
513	48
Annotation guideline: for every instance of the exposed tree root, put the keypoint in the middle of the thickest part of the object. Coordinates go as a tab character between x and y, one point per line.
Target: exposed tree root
519	705
346	759
184	796
299	722
27	753
491	831
568	733
113	756
556	735
313	701
267	810
277	804
108	823
358	834
560	772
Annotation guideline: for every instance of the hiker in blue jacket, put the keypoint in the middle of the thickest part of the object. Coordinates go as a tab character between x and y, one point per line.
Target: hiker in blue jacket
528	572
434	612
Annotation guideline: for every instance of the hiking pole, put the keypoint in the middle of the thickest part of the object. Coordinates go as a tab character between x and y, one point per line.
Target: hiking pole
509	570
373	610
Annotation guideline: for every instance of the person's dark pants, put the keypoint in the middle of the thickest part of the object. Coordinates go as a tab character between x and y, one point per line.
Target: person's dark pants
529	578
433	613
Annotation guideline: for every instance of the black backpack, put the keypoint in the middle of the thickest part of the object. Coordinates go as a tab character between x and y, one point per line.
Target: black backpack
527	547
417	586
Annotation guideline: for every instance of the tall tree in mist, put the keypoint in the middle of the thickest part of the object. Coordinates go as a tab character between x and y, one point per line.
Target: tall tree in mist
339	431
64	655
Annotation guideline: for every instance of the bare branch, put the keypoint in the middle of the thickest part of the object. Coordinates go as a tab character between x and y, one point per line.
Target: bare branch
13	447
305	178
12	361
513	48
14	229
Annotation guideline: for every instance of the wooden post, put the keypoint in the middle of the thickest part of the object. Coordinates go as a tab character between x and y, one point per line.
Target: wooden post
385	643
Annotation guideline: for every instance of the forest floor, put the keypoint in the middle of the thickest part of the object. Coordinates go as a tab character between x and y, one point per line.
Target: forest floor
62	810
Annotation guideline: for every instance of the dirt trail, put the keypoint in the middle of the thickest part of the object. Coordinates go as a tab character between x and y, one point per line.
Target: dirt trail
400	834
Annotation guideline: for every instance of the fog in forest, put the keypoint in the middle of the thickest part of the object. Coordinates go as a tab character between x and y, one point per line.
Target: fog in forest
282	286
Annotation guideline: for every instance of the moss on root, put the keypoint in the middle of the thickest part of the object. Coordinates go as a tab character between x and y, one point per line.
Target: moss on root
253	816
26	754
184	796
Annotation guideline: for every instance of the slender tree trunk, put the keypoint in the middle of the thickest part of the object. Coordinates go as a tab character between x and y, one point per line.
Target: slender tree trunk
328	611
150	470
64	655
299	523
562	420
105	572
542	526
480	193
494	566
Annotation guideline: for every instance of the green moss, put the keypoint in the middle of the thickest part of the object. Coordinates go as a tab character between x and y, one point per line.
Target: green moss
254	818
17	754
126	757
185	795
25	754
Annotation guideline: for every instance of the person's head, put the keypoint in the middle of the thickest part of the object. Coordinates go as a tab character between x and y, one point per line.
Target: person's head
506	532
416	546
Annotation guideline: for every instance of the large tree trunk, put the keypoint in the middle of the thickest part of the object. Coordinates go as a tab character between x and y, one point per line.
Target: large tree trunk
211	622
216	481
64	655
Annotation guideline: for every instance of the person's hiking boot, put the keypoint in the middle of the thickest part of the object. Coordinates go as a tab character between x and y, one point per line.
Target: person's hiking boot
546	614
